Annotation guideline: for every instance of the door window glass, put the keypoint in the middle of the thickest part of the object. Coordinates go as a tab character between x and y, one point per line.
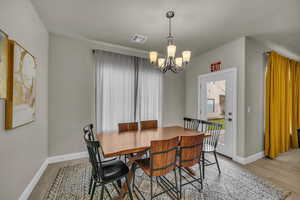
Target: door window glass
215	107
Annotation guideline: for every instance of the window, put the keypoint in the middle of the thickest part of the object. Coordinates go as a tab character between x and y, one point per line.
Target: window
128	89
210	105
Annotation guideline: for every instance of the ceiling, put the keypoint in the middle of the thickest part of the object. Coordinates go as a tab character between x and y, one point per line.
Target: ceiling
199	25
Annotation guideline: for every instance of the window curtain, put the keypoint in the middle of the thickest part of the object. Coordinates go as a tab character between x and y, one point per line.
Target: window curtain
149	102
128	89
115	91
282	100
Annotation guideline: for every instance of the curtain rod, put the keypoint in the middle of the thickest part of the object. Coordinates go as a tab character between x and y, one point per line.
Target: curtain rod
94	51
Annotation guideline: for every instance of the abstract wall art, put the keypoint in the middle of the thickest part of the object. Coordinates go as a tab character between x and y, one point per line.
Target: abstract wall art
21	96
3	64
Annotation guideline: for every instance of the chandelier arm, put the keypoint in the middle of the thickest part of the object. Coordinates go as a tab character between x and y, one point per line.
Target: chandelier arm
174	69
165	69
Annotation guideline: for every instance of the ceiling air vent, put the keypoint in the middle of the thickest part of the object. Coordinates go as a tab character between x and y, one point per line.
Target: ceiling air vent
136	38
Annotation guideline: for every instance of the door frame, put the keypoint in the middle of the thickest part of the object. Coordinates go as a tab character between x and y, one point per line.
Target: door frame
234	111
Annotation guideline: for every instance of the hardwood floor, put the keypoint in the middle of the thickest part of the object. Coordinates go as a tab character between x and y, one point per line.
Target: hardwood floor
48	178
283	172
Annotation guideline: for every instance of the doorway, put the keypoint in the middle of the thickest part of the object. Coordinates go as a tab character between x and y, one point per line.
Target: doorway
217	102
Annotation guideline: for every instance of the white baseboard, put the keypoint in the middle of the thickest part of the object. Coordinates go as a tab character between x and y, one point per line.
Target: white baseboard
72	156
26	193
249	159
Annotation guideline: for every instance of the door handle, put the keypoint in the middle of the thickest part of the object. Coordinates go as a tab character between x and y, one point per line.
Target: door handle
229	117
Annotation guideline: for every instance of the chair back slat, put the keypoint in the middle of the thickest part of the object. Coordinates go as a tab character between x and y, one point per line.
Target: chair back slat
149	124
94	155
214	129
190	150
131	126
191	123
163	156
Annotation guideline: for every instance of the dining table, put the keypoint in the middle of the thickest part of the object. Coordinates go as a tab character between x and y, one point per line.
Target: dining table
135	144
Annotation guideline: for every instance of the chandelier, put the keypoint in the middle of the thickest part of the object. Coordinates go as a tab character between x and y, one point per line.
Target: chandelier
170	62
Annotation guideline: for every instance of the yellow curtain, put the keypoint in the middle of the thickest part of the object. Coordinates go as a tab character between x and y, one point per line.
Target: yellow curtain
282	104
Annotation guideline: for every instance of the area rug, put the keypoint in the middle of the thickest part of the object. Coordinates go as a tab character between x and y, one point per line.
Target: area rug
235	182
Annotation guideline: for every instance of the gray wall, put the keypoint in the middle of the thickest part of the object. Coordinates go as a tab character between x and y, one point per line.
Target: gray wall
173	99
231	55
72	91
255	67
24	149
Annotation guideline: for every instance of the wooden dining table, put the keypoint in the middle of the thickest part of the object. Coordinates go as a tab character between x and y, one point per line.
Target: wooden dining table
134	144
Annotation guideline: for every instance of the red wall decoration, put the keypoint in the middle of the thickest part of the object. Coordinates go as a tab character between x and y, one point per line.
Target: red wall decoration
215	66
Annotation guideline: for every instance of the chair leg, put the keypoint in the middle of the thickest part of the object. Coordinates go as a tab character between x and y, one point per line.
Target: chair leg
93	190
151	188
102	192
215	154
201	177
176	185
106	190
133	178
119	183
203	165
90	185
180	183
129	190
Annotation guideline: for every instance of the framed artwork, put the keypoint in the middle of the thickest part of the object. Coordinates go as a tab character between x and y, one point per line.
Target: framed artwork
3	64
21	95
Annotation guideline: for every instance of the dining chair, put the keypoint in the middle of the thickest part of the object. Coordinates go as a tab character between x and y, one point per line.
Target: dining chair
131	126
162	161
124	127
210	142
88	131
191	123
148	124
105	173
90	128
190	150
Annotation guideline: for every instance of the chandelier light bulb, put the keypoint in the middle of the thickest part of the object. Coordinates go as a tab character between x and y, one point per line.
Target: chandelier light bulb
171	50
186	56
153	56
178	62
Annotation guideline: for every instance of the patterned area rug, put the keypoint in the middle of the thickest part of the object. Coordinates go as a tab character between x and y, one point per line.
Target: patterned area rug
234	183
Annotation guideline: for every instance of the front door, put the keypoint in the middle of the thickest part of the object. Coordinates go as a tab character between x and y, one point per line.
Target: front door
216	103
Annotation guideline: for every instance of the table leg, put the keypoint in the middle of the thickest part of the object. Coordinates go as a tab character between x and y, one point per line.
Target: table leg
131	159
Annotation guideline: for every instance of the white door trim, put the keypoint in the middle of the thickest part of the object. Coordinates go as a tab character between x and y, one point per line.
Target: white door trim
234	70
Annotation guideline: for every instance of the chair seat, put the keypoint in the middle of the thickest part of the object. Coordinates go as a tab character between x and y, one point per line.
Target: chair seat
104	160
208	148
114	170
144	165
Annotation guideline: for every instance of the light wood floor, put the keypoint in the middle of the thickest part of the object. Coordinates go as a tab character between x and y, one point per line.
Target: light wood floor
283	172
